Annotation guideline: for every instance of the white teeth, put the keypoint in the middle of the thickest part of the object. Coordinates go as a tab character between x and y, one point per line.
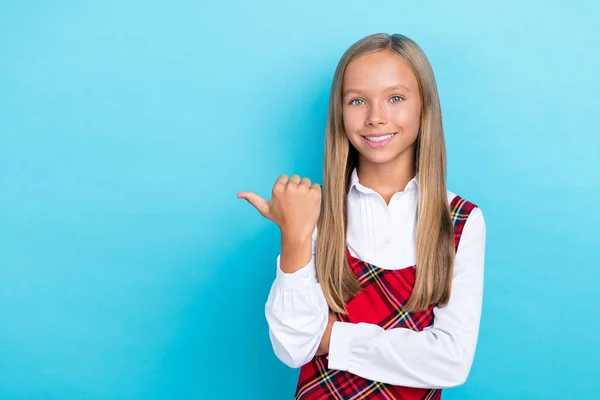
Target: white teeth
380	138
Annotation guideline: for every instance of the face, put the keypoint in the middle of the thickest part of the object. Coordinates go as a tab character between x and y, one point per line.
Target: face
381	108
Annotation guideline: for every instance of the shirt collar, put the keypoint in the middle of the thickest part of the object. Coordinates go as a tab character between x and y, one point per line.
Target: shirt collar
412	185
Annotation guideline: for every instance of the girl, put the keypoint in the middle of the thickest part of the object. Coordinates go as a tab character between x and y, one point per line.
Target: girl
385	301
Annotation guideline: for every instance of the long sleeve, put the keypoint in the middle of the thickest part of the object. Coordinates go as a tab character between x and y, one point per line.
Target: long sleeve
297	313
437	357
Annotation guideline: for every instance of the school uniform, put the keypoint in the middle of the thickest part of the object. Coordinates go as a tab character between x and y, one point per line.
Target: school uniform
377	350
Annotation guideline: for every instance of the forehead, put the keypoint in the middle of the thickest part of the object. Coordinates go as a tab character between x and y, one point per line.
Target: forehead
377	71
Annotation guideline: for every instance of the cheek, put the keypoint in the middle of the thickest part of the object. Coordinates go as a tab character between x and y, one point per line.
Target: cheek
409	118
353	121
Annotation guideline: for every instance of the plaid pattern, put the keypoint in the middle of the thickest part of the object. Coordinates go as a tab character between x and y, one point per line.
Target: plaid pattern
379	302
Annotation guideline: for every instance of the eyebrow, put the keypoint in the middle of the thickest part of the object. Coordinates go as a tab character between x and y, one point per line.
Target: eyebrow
388	88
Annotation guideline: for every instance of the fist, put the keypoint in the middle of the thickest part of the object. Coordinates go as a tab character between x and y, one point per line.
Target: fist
294	206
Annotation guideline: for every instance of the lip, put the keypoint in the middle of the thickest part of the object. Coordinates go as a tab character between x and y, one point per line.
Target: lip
382	143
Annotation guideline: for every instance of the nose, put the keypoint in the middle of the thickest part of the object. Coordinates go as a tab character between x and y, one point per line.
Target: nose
377	115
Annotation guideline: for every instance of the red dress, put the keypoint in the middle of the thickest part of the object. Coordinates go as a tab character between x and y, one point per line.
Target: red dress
379	302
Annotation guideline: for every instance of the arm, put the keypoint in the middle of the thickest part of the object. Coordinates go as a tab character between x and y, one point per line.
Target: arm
296	312
437	357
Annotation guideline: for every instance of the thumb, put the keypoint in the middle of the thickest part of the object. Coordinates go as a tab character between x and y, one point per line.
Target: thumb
258	202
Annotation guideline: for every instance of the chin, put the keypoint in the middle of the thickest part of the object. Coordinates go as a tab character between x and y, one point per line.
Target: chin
381	158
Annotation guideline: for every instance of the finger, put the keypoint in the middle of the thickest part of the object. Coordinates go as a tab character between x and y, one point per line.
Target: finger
295	179
305	182
316	186
282	180
258	202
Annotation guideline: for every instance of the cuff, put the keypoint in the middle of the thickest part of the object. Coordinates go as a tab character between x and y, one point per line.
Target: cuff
339	345
304	277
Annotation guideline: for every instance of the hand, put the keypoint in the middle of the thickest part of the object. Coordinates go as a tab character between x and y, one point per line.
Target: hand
295	206
324	346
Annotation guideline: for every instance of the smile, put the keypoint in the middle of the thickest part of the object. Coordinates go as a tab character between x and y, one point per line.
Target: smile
379	141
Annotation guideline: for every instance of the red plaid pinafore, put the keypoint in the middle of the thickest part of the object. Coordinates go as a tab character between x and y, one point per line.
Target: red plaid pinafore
379	302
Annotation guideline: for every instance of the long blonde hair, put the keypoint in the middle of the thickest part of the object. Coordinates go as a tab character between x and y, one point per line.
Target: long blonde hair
435	232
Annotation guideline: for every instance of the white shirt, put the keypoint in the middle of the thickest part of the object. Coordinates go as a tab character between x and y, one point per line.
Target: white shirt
440	356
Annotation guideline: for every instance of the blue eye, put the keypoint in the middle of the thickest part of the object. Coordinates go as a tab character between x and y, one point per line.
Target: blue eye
353	101
399	99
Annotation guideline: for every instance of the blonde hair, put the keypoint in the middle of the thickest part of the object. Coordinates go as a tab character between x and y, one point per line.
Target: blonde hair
435	232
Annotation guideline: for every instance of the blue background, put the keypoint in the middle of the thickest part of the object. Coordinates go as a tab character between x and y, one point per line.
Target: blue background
130	270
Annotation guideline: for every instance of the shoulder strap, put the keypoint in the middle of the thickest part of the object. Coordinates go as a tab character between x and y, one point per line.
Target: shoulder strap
459	211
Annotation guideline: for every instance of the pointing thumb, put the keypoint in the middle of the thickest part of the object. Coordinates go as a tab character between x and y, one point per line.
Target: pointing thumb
258	202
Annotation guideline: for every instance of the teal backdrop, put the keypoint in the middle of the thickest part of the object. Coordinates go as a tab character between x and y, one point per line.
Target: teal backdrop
130	270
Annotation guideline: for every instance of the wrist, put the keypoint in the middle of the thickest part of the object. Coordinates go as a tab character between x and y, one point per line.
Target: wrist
296	252
294	239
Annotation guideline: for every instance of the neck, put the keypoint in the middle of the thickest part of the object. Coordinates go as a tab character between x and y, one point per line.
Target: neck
386	178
